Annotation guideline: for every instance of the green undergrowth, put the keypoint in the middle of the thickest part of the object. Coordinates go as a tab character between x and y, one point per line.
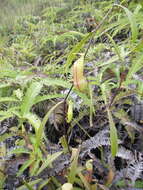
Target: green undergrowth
39	43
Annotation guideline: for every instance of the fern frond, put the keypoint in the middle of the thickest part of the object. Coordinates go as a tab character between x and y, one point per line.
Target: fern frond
100	139
135	170
125	153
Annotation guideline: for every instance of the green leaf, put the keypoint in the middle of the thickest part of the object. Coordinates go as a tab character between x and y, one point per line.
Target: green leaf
48	161
31	183
24	167
8	99
135	67
30	96
113	132
29	187
73	53
8	73
34	120
113	135
35	167
48	97
115	47
75	33
6	116
132	21
73	169
40	131
19	151
43	183
139	46
2	174
56	82
64	144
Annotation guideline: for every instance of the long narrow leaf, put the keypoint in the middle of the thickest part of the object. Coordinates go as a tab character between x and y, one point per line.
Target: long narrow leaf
113	131
72	55
30	96
19	151
73	169
48	161
40	130
48	97
113	134
56	82
33	120
31	183
24	167
136	66
35	166
132	21
29	187
115	47
8	99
